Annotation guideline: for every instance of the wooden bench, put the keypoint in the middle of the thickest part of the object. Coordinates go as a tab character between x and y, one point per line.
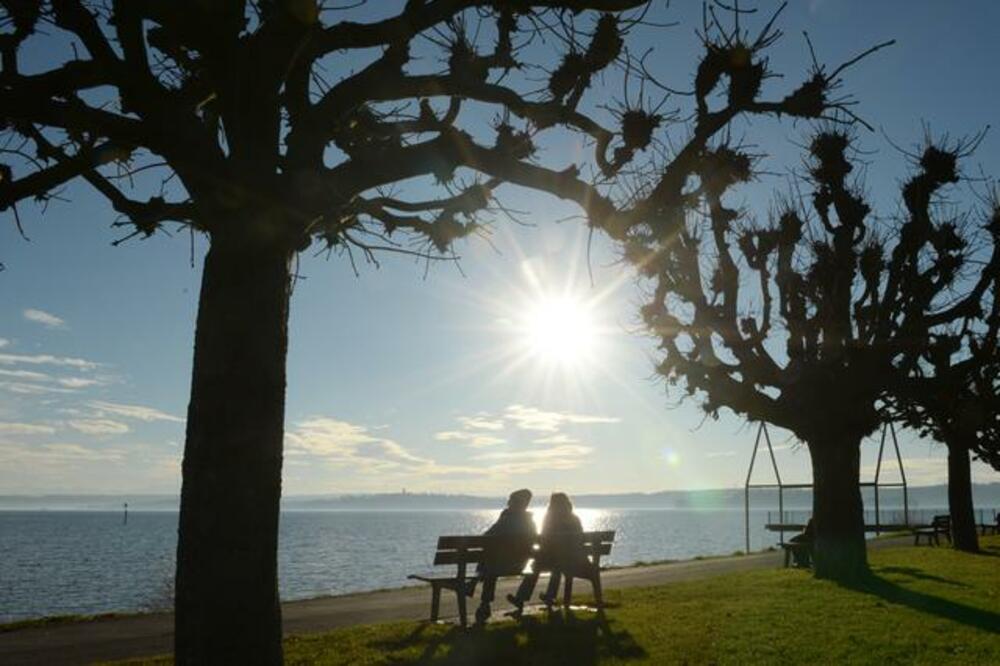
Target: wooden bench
932	533
466	552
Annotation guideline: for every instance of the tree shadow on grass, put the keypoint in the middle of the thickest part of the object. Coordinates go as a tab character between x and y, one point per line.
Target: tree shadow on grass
989	551
913	572
534	640
927	603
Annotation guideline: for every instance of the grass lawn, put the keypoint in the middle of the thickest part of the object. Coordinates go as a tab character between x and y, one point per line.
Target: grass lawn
923	605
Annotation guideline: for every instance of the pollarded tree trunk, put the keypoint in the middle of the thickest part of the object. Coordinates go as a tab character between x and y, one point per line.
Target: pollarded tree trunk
227	607
963	519
838	512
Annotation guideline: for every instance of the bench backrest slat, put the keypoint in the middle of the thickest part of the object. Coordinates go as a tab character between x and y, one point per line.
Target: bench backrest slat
472	549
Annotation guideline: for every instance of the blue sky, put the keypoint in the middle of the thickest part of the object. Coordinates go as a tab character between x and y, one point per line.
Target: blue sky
397	379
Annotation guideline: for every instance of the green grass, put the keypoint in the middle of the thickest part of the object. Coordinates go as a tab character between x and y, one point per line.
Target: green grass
923	605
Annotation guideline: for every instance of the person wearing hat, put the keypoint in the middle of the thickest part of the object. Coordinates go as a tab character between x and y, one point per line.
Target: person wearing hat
515	520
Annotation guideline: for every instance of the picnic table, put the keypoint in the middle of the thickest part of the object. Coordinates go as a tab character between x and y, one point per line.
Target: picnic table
465	553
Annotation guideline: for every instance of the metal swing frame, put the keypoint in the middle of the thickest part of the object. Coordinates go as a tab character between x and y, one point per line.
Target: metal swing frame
887	429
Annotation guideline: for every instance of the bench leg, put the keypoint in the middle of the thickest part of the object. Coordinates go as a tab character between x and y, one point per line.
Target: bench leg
460	595
788	557
435	602
598	593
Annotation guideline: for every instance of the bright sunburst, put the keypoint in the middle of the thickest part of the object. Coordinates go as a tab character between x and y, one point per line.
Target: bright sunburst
560	329
547	327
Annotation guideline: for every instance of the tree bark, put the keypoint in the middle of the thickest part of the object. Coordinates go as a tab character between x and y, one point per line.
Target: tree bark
227	607
963	518
838	513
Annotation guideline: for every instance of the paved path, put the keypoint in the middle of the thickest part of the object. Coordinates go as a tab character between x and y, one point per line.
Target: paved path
143	635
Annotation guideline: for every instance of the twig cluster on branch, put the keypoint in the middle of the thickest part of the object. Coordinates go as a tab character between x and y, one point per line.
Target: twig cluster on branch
232	104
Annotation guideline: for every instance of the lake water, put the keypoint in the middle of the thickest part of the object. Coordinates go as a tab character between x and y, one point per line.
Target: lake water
59	562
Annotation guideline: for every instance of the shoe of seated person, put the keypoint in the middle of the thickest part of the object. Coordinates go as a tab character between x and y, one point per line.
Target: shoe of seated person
483	614
547	599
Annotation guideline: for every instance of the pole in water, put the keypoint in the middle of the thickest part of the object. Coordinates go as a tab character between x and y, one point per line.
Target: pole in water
125	516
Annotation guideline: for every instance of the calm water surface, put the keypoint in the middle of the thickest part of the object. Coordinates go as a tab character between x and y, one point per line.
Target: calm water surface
58	562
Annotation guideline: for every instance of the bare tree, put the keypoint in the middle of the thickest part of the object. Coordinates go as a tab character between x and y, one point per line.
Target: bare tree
270	125
810	320
953	396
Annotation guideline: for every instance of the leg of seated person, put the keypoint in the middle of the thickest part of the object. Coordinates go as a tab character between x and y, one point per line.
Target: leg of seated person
484	610
552	591
527	586
489	589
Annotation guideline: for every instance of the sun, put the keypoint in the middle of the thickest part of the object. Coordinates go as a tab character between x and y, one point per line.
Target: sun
560	329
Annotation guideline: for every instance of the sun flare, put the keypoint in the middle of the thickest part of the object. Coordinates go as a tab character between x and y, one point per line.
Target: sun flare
560	329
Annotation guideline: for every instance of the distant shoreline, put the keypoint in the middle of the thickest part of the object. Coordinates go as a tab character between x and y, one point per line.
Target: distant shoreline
986	494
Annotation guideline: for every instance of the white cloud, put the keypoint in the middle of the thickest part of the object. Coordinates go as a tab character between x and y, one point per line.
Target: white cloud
4	342
77	382
98	426
137	412
481	422
342	443
19	382
558	438
532	418
32	457
76	451
474	439
9	428
31	389
47	359
25	375
46	319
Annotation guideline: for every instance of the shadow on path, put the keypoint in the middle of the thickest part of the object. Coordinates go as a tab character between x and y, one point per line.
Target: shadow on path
926	603
573	640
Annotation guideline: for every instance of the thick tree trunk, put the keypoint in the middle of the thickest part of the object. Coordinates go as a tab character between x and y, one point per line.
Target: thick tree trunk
838	513
227	609
963	518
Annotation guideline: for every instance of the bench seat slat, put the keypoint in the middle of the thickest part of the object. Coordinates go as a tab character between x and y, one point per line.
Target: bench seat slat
458	556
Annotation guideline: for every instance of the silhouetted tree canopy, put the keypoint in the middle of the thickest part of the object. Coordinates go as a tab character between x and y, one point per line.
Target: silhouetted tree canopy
810	320
953	396
251	105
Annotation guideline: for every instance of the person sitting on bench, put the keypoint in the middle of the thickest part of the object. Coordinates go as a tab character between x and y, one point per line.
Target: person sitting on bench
515	520
560	551
803	545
